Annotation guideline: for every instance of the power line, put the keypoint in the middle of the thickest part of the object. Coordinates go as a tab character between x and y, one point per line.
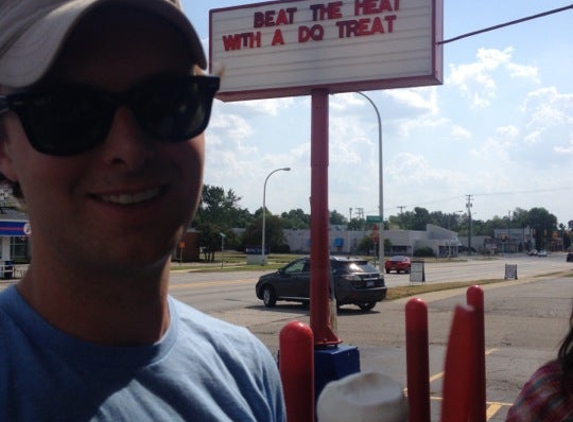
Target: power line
491	28
457	197
524	191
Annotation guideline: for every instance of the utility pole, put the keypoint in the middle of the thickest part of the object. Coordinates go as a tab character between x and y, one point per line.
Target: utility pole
348	231
360	212
401	207
508	231
469	206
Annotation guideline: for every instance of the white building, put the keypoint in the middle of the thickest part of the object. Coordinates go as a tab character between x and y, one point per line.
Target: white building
404	242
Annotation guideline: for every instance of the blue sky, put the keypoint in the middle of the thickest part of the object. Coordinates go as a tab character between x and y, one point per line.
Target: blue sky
500	128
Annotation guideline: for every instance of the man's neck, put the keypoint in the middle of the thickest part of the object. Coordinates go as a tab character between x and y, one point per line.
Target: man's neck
107	309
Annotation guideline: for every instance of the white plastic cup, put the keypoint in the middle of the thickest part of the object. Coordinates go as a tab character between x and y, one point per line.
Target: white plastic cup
362	397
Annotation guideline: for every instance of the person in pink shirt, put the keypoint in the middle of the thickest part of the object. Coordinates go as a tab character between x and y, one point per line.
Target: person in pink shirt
548	395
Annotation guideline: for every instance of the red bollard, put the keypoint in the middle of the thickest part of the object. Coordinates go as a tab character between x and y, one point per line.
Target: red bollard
417	360
459	372
296	364
478	409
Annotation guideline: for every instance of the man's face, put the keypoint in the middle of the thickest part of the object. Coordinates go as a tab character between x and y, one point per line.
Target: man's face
126	202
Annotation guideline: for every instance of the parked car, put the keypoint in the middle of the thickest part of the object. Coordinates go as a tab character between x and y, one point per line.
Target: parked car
355	282
542	253
533	252
569	257
398	263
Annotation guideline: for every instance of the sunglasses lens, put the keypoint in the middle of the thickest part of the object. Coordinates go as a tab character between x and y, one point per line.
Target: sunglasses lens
67	122
74	120
173	110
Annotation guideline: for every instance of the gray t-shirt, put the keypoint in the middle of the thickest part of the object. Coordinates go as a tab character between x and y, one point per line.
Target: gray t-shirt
203	369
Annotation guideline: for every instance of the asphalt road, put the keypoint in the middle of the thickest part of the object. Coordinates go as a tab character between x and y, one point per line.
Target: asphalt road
525	319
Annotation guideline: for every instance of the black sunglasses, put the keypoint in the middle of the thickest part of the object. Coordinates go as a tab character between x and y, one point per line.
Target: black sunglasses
74	119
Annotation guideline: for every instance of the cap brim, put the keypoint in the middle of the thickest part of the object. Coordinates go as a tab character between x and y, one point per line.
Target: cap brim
31	55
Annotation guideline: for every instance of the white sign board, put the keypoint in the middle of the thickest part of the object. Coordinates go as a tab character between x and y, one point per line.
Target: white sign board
510	272
288	48
417	272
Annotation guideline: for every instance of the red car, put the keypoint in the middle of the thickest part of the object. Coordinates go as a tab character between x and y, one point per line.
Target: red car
398	263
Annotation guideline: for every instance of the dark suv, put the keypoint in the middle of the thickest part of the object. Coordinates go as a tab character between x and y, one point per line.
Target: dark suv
355	282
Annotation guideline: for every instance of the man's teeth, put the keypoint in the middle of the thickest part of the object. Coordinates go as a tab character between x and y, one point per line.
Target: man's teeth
131	198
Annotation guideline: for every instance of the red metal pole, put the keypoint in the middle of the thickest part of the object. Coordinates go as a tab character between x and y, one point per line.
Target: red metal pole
296	363
459	372
478	410
319	253
417	360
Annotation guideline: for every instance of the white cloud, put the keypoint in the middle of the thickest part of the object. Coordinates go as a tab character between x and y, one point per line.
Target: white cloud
546	106
270	107
548	117
477	81
460	133
424	99
407	168
565	149
523	71
508	133
233	126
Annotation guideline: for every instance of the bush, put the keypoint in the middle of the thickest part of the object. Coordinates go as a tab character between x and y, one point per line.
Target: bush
424	251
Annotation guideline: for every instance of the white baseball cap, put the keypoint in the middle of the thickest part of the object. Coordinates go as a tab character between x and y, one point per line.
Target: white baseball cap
33	31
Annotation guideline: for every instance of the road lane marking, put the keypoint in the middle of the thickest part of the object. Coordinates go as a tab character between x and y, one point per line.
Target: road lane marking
436	377
207	283
493	408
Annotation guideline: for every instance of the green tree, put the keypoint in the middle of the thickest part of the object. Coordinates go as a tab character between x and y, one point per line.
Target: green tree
366	245
221	208
274	237
337	219
218	213
544	223
296	219
357	224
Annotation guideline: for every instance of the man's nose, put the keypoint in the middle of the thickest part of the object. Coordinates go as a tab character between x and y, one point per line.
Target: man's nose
126	144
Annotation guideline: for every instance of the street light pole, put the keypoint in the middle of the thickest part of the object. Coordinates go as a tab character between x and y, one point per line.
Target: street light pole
380	185
263	257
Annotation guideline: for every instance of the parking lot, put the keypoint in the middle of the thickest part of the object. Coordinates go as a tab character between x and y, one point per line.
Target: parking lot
525	318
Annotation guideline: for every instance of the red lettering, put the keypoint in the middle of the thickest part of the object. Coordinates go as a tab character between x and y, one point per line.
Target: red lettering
390	20
258	20
255	40
364	7
365	26
347	29
270	18
283	17
385	6
322	12
373	7
377	27
232	42
244	40
316	33
278	38
334	10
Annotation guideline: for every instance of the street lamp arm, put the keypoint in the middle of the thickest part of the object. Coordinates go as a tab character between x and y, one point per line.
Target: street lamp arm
380	184
263	258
